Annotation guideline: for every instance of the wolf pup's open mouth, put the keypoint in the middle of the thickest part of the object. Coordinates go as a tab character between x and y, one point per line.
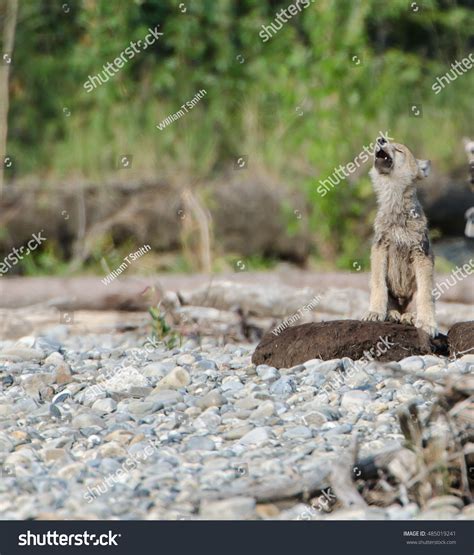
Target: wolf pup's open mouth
383	161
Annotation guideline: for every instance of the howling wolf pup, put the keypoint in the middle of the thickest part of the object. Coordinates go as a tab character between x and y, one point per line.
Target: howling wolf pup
401	257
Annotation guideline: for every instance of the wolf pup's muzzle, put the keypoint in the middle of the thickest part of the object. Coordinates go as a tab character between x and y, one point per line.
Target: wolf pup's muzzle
383	161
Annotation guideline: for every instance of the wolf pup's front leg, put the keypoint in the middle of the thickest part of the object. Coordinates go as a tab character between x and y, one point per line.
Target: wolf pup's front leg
378	284
425	307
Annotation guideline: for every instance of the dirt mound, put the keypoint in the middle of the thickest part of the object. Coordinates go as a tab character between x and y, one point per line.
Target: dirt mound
383	341
461	338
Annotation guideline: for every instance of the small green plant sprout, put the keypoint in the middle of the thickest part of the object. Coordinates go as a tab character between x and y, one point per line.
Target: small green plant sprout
161	330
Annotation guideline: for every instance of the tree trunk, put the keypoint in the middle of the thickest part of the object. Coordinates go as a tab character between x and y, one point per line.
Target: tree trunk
10	9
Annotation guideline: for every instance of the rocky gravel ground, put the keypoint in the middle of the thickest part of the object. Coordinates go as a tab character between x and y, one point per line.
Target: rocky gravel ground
96	426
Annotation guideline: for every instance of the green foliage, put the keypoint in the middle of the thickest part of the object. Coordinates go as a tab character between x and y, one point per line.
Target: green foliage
252	263
302	103
47	260
161	330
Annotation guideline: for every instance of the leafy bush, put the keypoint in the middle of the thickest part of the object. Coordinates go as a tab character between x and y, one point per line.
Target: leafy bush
302	103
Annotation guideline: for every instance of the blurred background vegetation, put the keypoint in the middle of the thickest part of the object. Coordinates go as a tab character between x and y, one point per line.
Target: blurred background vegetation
298	105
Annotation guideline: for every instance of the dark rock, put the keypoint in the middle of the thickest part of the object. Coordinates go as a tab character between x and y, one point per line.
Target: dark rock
461	338
439	345
7	380
54	411
384	341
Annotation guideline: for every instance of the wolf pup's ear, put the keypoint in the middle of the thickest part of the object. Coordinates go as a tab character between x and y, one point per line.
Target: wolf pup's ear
424	167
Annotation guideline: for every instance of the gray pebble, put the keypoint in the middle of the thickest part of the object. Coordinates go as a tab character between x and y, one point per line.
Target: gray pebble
200	443
211	399
104	405
412	364
298	432
283	386
267	373
205	364
255	437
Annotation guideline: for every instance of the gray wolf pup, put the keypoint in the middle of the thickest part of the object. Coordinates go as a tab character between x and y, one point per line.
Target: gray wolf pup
402	262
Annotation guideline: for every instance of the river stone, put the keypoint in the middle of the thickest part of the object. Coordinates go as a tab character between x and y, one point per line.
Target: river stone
326	366
177	378
298	432
237	432
54	454
55	359
267	373
138	408
85	420
266	409
124	379
155	370
206	365
211	399
185	359
412	364
166	397
62	373
283	386
200	443
104	405
355	400
344	338
315	419
254	437
247	403
208	420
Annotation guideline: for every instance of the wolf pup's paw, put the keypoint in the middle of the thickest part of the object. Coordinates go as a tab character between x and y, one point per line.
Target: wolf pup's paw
408	318
374	317
430	327
394	316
